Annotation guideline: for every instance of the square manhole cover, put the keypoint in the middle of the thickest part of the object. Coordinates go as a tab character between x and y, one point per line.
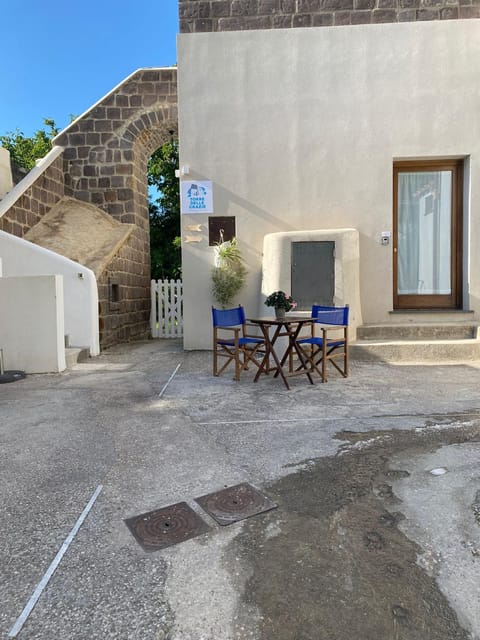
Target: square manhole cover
164	527
235	503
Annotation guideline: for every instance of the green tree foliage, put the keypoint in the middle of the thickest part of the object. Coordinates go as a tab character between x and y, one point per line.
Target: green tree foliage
25	150
166	259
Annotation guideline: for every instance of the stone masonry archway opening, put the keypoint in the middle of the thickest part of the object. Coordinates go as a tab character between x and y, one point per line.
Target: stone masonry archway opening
106	154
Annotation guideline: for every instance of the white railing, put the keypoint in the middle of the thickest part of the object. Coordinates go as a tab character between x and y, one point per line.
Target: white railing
166	319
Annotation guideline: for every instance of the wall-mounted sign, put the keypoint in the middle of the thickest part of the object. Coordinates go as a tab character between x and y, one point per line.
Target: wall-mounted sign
196	196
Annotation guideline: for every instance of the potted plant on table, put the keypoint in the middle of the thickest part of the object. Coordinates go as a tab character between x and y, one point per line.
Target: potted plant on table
282	302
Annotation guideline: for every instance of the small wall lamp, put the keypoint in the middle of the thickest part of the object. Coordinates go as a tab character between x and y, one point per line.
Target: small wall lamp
183	171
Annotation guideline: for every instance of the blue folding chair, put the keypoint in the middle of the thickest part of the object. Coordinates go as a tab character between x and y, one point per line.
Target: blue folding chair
231	340
322	348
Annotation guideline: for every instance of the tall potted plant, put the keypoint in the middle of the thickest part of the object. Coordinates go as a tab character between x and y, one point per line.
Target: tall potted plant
229	272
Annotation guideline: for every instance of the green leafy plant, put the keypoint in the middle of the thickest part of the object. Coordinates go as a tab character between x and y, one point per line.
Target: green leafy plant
24	150
229	273
229	255
280	300
164	213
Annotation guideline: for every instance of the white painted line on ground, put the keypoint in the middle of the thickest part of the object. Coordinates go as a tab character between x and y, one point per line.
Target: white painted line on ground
17	627
168	381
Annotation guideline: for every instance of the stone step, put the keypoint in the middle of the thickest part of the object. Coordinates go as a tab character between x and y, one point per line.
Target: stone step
419	331
73	355
434	316
439	351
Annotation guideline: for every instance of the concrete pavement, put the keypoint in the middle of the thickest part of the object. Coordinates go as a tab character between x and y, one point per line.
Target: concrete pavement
366	542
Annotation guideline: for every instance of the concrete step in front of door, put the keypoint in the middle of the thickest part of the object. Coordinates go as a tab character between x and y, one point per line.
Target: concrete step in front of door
432	337
418	351
419	331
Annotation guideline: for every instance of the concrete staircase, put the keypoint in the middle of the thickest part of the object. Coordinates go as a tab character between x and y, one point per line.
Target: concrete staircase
414	339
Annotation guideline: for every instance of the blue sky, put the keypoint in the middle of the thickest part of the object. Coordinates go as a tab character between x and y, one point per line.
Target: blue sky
58	58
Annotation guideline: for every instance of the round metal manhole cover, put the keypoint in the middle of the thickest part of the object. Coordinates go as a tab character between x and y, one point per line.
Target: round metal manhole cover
165	527
235	503
11	376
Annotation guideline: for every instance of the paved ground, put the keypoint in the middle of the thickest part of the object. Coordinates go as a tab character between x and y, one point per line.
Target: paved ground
366	544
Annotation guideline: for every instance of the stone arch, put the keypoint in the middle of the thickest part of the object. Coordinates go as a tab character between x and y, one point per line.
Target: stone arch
106	151
147	139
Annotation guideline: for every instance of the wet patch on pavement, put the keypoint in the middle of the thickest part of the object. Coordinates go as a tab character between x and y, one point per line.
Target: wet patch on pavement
337	566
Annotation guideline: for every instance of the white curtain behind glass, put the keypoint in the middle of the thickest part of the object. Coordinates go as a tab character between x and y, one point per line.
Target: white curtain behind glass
424	224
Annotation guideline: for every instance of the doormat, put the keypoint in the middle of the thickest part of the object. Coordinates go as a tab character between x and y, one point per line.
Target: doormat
165	527
235	503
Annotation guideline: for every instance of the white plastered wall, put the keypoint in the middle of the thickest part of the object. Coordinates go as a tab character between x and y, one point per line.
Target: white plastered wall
32	324
298	130
22	258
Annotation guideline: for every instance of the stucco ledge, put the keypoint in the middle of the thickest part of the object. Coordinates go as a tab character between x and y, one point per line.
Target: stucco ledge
276	266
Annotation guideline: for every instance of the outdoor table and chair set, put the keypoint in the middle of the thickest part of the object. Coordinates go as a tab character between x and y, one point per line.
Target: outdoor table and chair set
312	342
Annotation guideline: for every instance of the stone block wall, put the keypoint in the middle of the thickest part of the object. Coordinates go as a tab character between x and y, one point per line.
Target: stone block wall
198	16
37	200
101	147
120	317
106	154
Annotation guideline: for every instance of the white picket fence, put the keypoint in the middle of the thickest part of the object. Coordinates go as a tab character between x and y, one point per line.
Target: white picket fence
166	319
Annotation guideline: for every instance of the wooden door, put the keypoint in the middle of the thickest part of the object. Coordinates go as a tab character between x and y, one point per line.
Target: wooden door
427	234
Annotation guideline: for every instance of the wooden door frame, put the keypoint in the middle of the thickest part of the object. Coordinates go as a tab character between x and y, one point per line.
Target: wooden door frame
453	301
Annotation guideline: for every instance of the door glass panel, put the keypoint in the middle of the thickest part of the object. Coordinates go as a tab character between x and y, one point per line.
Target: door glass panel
424	233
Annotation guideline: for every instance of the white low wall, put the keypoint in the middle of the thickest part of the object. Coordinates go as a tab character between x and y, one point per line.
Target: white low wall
22	258
32	324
